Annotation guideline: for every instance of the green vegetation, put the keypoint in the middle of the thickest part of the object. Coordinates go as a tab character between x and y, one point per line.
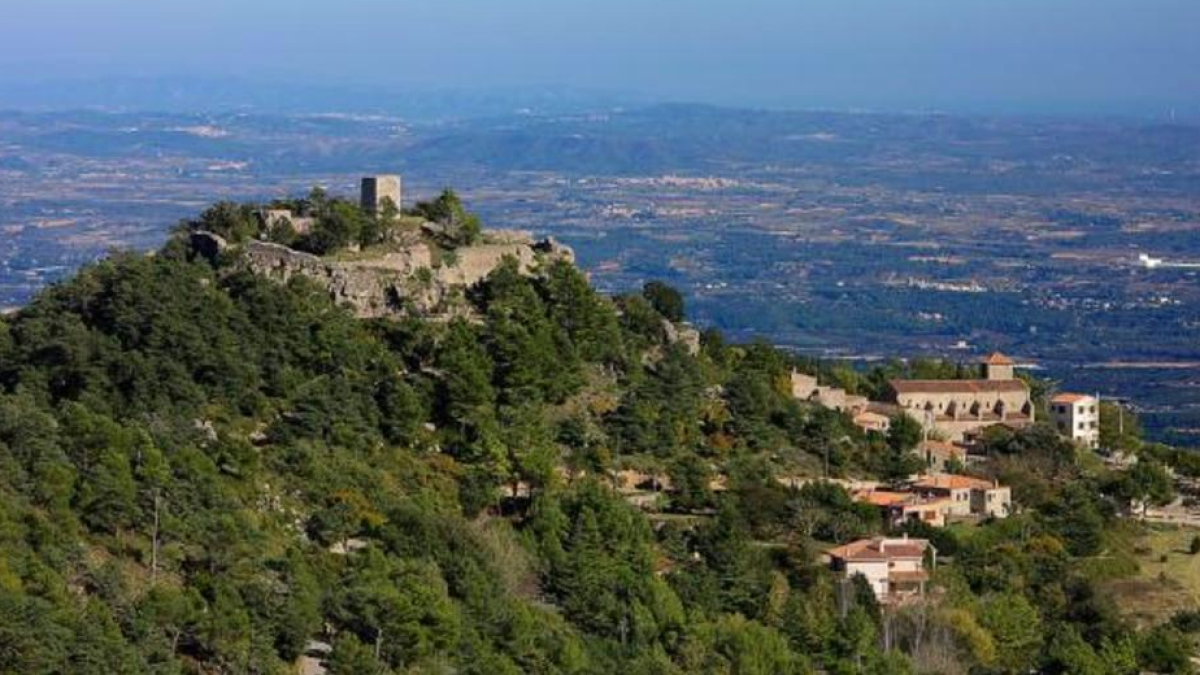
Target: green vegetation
201	471
459	226
339	224
1120	428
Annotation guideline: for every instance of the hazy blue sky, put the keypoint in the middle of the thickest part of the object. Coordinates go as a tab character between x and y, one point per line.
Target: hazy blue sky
901	54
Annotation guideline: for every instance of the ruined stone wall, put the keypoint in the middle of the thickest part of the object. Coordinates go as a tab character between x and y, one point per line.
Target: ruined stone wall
396	283
372	290
471	264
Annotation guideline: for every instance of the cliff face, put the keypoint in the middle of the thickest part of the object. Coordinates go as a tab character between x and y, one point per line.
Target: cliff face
394	284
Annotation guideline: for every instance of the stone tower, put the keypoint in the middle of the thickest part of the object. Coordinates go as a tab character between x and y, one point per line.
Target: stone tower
998	367
375	189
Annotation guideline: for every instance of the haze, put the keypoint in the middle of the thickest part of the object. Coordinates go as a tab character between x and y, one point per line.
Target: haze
1101	56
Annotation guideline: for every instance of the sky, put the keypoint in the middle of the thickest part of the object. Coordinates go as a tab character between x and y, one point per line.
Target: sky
1104	56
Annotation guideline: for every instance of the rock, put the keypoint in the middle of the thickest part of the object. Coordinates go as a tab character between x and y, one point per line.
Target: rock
683	333
207	429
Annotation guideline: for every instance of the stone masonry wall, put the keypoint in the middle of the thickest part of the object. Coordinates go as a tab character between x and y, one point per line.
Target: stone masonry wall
393	284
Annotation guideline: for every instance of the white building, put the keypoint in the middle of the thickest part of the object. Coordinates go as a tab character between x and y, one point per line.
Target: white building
1077	417
894	568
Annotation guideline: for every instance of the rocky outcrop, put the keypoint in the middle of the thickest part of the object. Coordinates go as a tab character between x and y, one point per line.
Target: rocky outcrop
413	279
683	333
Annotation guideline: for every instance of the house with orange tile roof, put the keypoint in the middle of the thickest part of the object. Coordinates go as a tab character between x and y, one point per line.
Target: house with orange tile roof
953	409
899	508
968	495
1077	417
869	421
893	567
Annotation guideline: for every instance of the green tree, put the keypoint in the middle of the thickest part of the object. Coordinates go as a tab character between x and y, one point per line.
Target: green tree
904	433
588	319
665	300
461	227
235	222
339	225
1016	628
734	644
401	607
690	478
352	657
1166	650
108	493
1120	428
1070	654
1147	483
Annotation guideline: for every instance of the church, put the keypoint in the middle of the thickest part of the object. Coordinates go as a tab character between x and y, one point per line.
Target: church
958	409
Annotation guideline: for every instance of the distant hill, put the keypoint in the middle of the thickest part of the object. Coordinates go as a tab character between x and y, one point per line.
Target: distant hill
696	138
219	95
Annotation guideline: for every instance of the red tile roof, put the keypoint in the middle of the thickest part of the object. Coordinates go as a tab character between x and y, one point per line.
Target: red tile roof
952	482
1070	398
880	548
957	386
882	497
942	447
998	359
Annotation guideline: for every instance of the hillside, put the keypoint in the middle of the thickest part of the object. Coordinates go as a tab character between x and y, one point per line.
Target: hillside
205	470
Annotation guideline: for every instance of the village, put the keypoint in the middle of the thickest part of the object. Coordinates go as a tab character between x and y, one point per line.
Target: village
953	416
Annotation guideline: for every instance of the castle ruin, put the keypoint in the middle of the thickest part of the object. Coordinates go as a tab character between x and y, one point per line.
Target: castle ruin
375	190
414	274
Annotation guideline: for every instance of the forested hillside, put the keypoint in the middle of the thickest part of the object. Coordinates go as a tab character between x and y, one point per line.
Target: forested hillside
204	472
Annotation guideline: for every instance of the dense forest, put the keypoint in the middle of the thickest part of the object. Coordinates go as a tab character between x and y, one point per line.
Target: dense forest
202	471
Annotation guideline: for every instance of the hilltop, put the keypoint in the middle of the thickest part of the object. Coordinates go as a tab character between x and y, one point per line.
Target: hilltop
373	258
208	468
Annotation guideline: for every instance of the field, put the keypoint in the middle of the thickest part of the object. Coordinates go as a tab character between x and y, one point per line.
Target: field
1168	578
